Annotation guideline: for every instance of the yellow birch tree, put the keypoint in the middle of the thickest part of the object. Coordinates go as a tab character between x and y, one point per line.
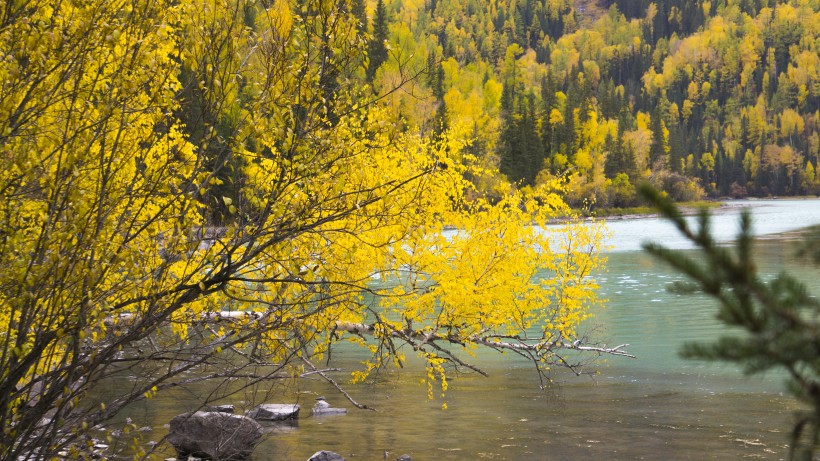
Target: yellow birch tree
207	187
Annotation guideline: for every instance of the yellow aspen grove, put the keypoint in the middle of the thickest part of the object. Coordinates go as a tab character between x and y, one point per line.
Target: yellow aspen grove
208	187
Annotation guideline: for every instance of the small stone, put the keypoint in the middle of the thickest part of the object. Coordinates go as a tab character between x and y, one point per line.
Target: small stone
326	456
329	411
275	412
227	408
322	408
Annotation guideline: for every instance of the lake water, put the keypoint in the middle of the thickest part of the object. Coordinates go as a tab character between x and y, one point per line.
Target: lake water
655	407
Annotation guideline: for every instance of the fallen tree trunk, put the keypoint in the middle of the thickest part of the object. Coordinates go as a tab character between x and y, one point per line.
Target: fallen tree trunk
420	337
495	342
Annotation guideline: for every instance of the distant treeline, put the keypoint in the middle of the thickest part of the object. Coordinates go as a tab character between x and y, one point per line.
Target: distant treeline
701	98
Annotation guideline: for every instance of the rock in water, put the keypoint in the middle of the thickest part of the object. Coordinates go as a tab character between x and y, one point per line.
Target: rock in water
227	408
214	435
322	408
326	456
275	412
329	411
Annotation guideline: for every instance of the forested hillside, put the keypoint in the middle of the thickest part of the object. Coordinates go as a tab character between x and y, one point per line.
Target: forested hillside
701	98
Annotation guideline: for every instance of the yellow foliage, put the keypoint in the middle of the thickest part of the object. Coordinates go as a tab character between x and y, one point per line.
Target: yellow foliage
642	120
113	129
556	117
791	123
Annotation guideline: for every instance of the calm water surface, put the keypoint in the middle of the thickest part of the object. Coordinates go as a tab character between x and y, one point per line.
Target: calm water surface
655	407
770	217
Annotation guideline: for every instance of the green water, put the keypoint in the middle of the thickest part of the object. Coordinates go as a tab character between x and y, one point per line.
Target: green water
655	407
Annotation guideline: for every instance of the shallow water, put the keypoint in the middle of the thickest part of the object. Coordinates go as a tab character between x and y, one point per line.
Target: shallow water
657	406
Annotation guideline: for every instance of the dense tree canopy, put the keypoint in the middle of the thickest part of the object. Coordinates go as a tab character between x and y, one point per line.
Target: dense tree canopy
716	98
212	187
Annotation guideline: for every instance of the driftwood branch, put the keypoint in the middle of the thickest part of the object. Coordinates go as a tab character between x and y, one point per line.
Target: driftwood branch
362	329
126	318
333	382
425	337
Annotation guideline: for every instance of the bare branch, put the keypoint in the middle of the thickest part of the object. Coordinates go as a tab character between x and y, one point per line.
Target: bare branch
538	347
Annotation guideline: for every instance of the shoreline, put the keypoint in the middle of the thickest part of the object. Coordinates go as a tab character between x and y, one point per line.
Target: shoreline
689	208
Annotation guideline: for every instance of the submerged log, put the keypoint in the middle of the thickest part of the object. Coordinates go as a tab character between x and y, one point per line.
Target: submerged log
513	344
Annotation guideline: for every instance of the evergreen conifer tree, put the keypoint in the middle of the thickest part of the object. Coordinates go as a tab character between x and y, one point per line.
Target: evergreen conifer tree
377	49
660	145
358	10
441	122
612	165
438	83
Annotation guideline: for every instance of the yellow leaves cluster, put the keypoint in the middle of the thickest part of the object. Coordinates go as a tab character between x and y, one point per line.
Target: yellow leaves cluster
396	221
94	169
102	190
501	270
282	17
